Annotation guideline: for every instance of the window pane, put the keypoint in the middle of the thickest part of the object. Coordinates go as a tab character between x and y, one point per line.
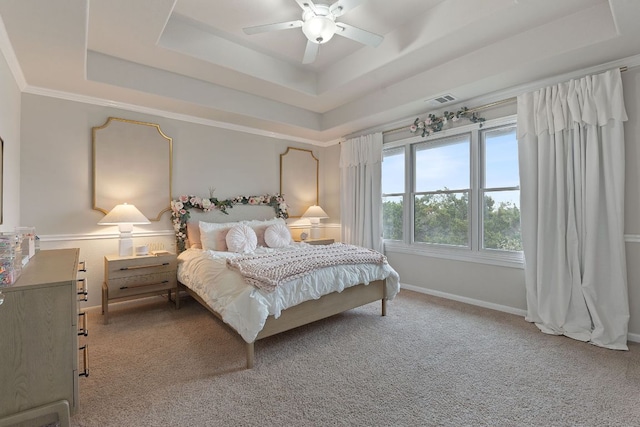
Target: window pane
393	171
392	223
442	219
501	158
445	166
501	217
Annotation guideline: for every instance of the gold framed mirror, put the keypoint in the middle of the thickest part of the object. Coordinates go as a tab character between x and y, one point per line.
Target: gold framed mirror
299	180
132	163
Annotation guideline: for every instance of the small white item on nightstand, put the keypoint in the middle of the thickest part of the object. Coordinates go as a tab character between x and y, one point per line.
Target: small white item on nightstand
142	250
160	252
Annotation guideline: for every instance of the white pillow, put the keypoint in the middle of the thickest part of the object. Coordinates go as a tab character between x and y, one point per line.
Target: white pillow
277	236
260	227
213	235
241	239
193	235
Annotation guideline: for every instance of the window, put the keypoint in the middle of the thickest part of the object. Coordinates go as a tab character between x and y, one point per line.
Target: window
458	195
500	190
393	178
441	196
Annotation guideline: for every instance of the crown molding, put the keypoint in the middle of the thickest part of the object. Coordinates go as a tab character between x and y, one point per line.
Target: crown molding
85	99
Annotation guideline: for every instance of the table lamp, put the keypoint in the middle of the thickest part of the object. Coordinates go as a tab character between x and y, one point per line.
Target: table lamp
125	216
314	214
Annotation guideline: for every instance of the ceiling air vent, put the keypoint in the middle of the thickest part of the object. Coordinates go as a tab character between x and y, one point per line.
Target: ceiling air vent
442	99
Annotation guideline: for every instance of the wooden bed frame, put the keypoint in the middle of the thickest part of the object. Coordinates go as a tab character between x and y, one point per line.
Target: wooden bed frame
308	311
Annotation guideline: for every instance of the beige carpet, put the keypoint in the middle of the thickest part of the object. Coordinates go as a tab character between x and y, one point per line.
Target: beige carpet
429	362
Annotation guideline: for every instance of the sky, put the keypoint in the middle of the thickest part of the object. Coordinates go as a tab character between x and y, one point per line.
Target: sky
447	166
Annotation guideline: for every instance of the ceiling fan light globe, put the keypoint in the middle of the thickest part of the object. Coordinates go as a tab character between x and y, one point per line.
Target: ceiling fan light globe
319	29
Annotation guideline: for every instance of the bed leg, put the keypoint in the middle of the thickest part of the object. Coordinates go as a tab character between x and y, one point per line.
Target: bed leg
384	307
250	354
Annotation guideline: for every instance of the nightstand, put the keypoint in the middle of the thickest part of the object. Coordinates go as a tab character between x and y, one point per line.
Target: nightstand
319	241
134	276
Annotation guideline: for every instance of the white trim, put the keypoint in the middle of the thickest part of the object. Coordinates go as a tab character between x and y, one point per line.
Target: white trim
466	300
116	235
503	259
35	90
633	337
302	226
498	307
100	236
514	260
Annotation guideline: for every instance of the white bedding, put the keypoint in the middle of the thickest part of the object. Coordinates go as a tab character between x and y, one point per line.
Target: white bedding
246	307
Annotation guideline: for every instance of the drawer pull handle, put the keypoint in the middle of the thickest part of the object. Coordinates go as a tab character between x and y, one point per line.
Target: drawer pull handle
147	284
83	330
83	290
82	266
85	354
136	267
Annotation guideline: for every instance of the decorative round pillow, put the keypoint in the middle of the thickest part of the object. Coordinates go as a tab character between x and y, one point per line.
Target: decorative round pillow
242	239
277	236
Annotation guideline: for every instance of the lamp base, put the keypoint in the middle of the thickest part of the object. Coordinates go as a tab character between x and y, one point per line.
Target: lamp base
315	232
125	246
125	243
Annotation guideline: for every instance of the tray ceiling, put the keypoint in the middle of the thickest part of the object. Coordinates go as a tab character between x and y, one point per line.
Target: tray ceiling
191	57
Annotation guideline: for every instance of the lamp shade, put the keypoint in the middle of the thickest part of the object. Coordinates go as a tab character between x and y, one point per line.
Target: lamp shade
315	211
124	214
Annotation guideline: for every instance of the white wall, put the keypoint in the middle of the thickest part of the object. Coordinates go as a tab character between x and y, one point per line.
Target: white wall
56	178
10	133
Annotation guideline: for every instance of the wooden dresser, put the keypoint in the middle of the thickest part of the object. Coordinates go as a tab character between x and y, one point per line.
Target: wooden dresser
39	335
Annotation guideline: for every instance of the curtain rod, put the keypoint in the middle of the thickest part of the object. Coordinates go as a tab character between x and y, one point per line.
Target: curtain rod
481	107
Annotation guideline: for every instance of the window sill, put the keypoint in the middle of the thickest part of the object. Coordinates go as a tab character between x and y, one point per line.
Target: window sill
502	259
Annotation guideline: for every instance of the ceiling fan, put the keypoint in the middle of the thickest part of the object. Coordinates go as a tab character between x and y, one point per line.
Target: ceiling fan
319	25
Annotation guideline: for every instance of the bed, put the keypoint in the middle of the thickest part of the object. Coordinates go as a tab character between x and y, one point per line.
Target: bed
248	290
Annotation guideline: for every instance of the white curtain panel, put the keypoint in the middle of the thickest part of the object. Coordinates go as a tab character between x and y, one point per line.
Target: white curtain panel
571	157
361	190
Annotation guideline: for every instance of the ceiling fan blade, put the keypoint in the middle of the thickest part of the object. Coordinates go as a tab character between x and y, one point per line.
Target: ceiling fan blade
342	6
359	35
310	52
272	27
307	5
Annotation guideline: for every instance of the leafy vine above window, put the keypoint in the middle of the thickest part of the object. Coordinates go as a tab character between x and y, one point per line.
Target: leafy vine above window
180	210
433	123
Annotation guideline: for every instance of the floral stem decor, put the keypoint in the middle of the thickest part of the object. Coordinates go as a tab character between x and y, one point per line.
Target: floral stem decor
180	209
433	123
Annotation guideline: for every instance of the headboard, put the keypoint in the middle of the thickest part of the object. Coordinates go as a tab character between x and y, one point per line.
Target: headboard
192	209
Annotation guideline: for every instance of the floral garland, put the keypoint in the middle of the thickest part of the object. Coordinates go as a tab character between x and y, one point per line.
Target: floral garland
433	124
180	210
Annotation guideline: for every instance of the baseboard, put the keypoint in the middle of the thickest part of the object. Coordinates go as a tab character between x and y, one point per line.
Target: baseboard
472	301
504	308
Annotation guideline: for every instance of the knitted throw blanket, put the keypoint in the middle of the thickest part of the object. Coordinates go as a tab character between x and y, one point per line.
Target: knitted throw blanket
268	271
